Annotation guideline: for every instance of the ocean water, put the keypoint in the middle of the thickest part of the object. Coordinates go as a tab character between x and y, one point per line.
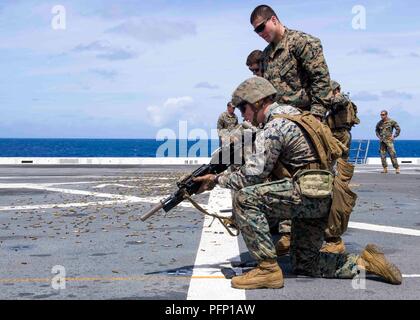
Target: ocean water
151	148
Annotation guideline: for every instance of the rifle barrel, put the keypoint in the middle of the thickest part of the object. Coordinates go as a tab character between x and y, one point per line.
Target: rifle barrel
151	212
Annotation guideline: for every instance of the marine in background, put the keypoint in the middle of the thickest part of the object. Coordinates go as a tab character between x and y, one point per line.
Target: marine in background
385	133
342	117
226	122
254	62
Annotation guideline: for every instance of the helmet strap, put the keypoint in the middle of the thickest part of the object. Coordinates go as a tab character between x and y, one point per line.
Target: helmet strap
256	109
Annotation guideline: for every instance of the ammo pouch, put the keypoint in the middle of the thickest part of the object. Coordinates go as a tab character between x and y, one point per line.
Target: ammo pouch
343	200
314	183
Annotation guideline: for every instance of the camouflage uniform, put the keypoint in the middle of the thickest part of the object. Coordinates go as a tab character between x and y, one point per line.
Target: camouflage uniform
297	69
282	226
384	131
226	123
257	201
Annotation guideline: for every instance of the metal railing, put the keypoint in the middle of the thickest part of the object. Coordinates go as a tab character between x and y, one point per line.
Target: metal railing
359	155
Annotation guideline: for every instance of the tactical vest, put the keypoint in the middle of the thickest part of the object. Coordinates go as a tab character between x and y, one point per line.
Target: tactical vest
344	117
328	148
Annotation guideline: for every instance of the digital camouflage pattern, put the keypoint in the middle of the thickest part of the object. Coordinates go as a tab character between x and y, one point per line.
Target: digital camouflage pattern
384	131
256	205
282	226
279	138
256	201
297	68
226	123
388	146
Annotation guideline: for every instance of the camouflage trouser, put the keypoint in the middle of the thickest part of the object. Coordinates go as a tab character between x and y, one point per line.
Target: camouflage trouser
274	223
254	205
388	146
344	136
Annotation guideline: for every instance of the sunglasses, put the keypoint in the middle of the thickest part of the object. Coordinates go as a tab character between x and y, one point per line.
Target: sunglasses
383	114
261	27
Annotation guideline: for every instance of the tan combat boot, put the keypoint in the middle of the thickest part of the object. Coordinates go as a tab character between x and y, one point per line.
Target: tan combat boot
385	170
397	171
374	261
266	275
333	246
283	245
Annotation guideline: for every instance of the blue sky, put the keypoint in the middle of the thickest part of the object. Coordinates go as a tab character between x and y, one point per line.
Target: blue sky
126	69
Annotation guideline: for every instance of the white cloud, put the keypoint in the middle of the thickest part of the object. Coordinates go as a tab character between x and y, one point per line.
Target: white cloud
152	30
393	94
104	50
373	51
105	74
206	85
365	96
172	108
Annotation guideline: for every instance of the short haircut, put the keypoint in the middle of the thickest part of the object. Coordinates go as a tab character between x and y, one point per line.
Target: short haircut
229	104
254	57
384	111
262	11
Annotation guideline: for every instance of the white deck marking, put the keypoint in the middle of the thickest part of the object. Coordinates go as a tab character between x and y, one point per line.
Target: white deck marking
411	275
67	205
101	186
150	200
217	249
117	199
387	229
77	177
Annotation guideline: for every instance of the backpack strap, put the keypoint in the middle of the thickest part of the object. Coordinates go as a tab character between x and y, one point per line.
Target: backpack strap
311	127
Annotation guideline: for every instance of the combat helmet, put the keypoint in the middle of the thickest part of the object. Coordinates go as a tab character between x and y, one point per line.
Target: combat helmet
252	90
334	85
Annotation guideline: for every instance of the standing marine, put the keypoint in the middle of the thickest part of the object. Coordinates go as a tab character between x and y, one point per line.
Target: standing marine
342	117
226	122
385	133
294	63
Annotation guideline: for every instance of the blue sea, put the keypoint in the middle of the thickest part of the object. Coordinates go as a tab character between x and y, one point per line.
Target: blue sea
150	147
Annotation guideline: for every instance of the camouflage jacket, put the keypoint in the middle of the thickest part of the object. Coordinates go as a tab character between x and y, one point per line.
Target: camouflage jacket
384	129
297	69
280	138
226	122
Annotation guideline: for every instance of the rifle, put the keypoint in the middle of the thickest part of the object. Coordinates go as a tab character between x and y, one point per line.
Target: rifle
221	159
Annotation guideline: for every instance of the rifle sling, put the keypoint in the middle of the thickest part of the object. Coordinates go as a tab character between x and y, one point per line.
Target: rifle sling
215	216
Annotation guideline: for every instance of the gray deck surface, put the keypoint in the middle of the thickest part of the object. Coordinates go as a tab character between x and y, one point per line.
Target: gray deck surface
108	253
